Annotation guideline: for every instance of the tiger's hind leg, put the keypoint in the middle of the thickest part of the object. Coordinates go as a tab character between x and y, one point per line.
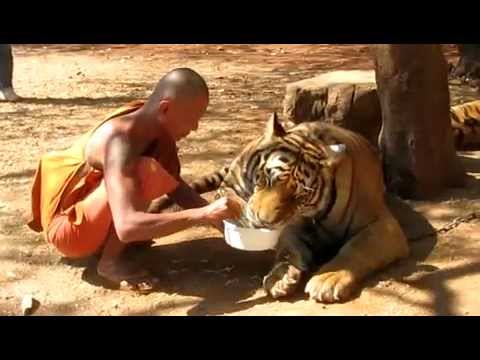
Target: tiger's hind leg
293	260
371	249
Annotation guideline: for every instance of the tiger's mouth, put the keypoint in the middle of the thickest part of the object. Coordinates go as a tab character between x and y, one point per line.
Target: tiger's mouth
255	220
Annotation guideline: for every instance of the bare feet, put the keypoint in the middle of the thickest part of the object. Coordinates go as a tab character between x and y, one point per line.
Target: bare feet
142	245
127	274
117	265
8	94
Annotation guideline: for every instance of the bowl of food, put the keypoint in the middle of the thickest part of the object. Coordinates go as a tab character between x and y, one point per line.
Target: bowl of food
250	239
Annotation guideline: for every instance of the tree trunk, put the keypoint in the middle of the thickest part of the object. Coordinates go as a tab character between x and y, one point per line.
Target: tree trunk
416	139
468	66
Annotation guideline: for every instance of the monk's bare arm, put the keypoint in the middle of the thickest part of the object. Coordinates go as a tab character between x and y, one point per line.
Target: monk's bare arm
183	195
131	221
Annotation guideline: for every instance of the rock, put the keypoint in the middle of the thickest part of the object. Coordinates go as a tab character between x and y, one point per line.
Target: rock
344	98
29	304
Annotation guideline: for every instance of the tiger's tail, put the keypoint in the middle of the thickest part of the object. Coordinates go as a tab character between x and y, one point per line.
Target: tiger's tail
210	182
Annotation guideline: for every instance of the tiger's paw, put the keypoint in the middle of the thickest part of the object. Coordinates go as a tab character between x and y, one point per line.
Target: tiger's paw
282	281
330	287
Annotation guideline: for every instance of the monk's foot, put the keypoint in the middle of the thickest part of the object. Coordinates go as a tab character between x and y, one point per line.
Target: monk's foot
127	275
142	245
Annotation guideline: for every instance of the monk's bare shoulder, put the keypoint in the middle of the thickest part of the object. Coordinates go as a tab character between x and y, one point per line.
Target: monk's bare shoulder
96	147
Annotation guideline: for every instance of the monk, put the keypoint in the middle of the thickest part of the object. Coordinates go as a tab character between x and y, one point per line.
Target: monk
93	197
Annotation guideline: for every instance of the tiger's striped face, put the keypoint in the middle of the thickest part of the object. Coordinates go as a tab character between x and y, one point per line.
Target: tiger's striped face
292	178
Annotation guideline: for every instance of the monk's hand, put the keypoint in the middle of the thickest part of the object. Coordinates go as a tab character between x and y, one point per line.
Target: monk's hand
227	207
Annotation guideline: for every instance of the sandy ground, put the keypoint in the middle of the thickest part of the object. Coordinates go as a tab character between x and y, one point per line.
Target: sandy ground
70	88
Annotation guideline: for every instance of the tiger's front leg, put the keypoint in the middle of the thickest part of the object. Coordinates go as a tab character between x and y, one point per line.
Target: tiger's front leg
282	280
293	260
372	249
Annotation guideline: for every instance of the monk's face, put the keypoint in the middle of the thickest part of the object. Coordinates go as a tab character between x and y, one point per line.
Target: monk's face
183	115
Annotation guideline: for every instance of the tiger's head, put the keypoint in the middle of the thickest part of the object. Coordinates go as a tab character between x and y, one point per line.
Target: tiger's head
294	177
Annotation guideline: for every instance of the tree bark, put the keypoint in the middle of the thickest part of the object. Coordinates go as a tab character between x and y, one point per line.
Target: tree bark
468	66
416	140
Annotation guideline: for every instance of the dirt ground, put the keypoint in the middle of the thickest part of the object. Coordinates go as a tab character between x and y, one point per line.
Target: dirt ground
69	88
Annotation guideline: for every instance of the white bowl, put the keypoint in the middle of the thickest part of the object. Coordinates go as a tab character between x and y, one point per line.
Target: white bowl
250	239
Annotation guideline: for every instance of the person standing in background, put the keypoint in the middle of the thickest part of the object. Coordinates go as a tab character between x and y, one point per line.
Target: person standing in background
6	72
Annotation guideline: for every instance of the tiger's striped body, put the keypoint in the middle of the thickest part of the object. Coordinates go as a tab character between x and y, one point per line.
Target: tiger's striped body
323	186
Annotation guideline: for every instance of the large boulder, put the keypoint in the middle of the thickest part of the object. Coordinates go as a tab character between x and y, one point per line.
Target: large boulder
345	98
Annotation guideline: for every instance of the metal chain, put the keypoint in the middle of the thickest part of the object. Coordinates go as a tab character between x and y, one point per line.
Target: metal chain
450	226
457	221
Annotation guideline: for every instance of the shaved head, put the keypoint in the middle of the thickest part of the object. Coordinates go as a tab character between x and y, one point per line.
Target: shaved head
178	102
180	84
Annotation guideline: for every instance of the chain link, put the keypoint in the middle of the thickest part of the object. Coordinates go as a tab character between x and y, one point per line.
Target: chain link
450	226
457	221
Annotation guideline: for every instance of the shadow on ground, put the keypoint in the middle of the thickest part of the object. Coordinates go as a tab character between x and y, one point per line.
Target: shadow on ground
206	268
416	271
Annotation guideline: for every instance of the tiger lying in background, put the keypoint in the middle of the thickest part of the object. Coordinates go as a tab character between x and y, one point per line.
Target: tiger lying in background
465	120
323	185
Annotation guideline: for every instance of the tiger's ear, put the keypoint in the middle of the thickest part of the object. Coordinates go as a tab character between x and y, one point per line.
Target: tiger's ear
336	153
274	128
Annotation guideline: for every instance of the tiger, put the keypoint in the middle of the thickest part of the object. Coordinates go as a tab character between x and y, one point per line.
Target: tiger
322	186
465	122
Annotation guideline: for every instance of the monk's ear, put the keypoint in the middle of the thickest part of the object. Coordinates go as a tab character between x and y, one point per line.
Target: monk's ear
274	128
163	106
336	154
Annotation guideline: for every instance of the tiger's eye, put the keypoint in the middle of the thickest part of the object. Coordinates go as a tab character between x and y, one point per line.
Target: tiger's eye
260	180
